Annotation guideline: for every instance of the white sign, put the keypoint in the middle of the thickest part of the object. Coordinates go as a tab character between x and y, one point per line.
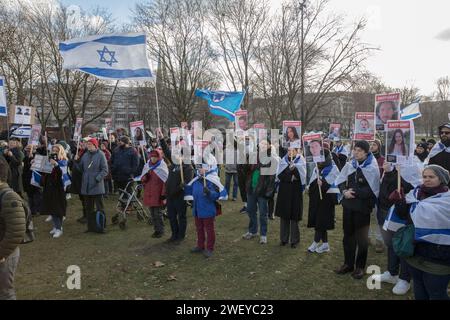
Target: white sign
3	103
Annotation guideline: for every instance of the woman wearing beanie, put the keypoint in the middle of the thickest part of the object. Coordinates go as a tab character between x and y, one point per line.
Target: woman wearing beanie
359	182
427	208
321	213
421	152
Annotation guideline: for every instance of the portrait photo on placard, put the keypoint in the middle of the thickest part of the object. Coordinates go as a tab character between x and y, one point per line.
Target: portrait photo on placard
387	108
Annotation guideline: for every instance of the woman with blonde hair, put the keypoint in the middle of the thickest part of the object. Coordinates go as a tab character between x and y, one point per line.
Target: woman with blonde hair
55	185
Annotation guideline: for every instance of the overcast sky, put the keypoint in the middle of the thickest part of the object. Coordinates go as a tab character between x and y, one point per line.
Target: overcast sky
413	35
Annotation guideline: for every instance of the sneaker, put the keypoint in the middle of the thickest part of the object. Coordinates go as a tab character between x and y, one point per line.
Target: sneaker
58	233
53	231
197	250
323	248
248	236
401	288
68	196
49	219
263	240
207	254
385	277
234	199
313	247
243	210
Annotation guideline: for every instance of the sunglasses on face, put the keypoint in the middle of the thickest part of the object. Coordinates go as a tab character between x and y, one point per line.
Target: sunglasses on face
444	133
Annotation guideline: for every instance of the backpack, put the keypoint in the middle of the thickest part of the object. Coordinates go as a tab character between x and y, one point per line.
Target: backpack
403	241
29	232
100	222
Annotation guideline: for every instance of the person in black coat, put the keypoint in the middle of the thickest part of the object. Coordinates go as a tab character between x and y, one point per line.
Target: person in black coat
176	205
321	213
289	206
15	157
34	193
359	200
442	158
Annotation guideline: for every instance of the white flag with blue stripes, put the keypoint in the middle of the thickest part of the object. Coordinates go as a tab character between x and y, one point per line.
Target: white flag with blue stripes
21	133
412	111
110	57
3	104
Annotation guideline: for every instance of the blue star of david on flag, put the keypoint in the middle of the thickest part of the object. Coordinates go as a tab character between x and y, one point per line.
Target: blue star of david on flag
111	55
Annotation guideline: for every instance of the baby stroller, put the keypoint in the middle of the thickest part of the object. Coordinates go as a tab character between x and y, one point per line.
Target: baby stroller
129	202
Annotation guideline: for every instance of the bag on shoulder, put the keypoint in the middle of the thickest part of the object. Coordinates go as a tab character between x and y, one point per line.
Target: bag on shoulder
403	241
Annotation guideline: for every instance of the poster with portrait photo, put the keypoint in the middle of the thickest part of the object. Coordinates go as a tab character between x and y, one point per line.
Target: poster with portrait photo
292	134
77	131
138	133
22	115
108	125
197	130
35	134
387	108
364	126
185	133
400	142
313	148
241	122
261	132
174	135
335	131
199	148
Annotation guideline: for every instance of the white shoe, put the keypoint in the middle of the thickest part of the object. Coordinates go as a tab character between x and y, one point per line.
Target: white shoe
49	219
385	277
323	248
64	218
313	247
53	231
263	240
248	236
401	288
68	196
58	233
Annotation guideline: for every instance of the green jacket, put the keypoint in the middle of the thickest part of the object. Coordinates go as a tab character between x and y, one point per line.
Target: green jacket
12	221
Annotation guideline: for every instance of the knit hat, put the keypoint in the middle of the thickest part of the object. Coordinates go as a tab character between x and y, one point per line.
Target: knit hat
443	175
446	125
94	142
364	145
431	141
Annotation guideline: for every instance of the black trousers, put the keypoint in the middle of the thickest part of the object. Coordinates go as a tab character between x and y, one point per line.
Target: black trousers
92	204
242	187
356	238
176	209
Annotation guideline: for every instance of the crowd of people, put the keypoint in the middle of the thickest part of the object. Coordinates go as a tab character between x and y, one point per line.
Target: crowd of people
356	177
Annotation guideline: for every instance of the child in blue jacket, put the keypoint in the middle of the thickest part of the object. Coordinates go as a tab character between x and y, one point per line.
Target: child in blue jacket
205	190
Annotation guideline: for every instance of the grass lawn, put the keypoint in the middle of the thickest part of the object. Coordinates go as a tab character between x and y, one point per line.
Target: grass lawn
120	264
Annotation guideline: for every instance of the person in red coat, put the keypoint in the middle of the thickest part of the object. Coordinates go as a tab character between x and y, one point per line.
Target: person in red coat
154	177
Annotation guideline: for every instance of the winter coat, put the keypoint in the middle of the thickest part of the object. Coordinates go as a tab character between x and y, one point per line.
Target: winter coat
94	169
266	183
389	185
174	187
154	190
204	206
108	159
53	196
124	164
321	213
27	175
364	201
290	196
15	163
12	221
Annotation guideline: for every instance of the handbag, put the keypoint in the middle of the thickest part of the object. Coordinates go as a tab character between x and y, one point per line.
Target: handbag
403	241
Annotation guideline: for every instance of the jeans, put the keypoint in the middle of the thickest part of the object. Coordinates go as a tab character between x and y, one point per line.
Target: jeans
254	204
396	264
176	209
7	271
205	225
57	222
428	286
157	218
228	177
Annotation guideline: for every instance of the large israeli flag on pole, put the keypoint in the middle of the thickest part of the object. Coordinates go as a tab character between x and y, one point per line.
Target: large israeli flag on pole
222	103
3	104
412	111
109	57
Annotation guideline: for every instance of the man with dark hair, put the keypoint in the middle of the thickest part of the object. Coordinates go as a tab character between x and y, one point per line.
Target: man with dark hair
386	111
12	232
440	154
124	163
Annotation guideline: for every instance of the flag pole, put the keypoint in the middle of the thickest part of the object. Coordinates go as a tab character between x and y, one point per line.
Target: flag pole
157	105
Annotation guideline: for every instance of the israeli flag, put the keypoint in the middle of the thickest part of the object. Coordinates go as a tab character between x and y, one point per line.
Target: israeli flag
412	111
109	57
35	179
3	104
222	103
21	133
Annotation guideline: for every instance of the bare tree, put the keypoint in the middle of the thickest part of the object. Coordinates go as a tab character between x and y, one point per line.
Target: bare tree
178	41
